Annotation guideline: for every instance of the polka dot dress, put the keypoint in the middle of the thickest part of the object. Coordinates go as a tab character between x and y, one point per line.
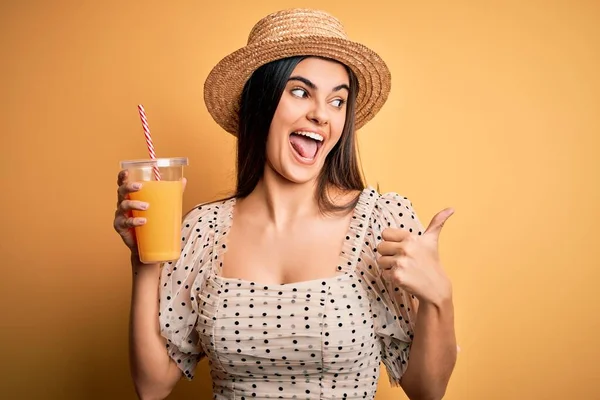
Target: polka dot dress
318	339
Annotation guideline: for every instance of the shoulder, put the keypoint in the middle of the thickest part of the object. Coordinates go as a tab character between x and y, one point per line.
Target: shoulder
197	233
208	213
393	202
393	210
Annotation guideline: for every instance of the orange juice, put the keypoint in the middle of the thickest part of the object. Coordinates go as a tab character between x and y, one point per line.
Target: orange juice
159	239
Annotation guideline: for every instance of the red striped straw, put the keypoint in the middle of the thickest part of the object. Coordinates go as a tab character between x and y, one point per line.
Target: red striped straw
148	139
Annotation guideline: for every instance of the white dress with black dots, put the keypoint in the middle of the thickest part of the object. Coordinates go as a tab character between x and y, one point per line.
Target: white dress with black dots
318	339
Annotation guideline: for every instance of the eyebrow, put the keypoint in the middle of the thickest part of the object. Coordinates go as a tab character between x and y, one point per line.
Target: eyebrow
314	87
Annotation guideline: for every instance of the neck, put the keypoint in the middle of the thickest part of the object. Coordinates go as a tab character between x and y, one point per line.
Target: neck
281	202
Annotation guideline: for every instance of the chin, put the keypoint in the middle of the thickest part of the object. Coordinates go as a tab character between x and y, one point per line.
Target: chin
290	170
300	174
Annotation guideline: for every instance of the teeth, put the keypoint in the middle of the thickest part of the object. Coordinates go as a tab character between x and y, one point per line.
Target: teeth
311	135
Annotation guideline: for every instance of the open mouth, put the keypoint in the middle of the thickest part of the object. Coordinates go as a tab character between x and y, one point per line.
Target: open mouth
306	144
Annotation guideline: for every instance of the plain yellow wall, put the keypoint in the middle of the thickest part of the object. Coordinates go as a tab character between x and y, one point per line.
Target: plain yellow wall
494	110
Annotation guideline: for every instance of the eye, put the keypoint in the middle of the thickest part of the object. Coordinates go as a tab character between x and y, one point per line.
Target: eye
338	103
299	92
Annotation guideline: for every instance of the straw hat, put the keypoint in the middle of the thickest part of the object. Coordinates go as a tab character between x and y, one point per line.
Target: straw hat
288	33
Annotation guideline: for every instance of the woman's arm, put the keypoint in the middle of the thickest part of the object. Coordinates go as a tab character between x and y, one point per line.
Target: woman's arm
433	352
412	262
154	373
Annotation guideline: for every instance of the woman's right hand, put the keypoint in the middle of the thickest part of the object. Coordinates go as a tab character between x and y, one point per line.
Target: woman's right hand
124	222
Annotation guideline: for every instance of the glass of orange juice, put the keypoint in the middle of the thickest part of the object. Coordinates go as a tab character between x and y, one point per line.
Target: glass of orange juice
159	239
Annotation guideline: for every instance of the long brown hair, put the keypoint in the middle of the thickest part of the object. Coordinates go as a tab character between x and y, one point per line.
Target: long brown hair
258	103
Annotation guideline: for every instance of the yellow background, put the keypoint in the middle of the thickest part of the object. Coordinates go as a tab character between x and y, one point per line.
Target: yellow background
495	110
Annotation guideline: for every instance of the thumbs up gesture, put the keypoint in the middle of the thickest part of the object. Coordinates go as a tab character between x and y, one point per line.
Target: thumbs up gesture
413	263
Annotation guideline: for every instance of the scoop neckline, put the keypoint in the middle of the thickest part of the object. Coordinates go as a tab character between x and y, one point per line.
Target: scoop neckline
221	235
340	276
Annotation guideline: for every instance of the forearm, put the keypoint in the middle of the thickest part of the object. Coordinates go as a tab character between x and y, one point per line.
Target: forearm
152	369
433	352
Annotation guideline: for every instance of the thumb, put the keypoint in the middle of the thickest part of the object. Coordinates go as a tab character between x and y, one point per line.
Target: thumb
184	182
438	221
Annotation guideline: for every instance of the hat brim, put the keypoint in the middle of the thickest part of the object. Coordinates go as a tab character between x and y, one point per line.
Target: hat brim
224	84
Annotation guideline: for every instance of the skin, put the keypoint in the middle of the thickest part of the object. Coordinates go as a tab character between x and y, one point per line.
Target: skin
314	99
413	263
279	220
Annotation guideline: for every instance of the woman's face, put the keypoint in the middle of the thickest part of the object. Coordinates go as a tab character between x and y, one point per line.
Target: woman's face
309	119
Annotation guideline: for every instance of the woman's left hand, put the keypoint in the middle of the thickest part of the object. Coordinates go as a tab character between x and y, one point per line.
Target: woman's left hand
413	263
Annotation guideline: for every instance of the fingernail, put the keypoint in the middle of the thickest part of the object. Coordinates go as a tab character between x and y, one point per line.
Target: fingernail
144	205
137	185
142	220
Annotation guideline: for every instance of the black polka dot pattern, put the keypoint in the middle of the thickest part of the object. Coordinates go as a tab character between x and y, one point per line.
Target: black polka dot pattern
307	340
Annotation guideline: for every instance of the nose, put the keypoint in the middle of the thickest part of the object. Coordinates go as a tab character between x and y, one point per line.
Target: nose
318	114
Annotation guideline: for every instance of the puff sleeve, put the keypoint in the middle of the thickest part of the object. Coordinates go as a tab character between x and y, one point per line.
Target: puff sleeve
394	309
180	281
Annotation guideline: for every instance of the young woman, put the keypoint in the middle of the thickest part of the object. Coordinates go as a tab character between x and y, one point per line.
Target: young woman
306	279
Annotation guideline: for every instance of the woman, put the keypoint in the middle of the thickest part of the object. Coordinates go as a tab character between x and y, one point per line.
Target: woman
300	284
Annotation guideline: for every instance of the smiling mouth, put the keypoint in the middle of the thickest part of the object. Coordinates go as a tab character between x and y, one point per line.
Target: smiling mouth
306	144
